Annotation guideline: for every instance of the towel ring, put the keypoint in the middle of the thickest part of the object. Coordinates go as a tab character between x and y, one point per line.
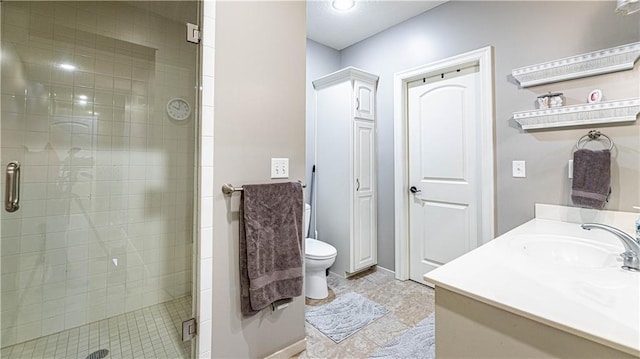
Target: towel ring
594	135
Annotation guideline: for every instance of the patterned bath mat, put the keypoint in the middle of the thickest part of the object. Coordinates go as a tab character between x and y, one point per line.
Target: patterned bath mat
344	316
417	342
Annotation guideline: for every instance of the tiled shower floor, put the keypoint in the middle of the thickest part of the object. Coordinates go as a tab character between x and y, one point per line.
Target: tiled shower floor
152	332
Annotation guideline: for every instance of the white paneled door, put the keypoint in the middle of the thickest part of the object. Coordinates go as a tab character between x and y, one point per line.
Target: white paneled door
444	167
365	254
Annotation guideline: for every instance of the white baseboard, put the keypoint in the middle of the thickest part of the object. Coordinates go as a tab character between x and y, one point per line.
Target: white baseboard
378	268
385	270
291	350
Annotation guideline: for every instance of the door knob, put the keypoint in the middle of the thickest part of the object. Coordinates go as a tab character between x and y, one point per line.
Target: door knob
414	190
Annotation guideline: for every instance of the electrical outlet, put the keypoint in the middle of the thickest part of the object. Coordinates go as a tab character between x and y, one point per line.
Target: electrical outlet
519	169
279	168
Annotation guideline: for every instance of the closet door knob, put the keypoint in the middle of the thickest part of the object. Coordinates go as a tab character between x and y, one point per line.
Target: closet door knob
414	190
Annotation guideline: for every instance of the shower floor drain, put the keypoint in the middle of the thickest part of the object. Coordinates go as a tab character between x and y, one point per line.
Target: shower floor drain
98	354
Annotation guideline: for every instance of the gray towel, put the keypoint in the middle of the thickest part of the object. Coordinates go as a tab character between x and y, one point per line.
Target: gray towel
591	178
271	266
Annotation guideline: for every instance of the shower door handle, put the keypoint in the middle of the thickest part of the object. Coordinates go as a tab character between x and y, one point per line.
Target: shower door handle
12	188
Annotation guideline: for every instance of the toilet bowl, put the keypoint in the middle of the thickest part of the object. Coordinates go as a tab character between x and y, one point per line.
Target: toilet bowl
318	256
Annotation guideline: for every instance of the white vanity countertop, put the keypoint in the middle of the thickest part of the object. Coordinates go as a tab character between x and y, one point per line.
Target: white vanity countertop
599	303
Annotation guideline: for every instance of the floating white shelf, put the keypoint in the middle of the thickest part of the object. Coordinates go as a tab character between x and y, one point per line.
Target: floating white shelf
578	115
614	59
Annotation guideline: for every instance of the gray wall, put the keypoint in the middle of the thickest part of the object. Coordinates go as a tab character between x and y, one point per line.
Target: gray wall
259	107
321	60
522	33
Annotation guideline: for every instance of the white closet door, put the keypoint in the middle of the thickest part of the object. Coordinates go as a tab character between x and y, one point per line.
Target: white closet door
364	100
364	244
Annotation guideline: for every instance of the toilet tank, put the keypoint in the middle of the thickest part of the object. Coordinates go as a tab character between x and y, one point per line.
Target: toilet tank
307	218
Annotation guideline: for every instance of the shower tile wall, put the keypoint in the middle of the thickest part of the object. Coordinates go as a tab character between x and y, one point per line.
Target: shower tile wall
105	225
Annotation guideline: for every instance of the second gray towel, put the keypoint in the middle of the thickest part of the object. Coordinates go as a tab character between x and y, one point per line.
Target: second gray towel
271	267
591	178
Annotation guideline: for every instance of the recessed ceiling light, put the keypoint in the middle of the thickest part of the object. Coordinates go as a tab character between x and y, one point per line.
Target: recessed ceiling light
342	5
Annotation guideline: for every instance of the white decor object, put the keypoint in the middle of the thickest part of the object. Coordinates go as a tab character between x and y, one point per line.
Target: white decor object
595	96
556	101
614	59
346	167
578	115
550	100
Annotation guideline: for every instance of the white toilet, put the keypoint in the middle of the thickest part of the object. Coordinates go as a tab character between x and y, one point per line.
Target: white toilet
318	256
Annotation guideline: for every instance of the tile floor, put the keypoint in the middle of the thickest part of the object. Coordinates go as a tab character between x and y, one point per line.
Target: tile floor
409	303
152	332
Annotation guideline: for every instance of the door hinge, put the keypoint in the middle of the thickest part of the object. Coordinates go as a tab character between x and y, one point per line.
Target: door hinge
193	33
189	329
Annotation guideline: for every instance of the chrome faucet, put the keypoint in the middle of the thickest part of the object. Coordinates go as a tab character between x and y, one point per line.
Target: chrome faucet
631	262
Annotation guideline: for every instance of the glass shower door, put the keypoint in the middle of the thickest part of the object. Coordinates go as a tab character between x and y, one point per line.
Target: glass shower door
98	107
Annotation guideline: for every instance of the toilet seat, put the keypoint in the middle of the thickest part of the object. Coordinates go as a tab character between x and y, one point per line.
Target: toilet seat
315	249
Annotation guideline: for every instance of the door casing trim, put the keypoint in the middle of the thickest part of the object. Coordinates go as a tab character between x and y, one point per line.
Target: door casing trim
484	59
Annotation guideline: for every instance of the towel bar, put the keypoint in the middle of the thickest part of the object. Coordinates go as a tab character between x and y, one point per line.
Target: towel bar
228	189
594	135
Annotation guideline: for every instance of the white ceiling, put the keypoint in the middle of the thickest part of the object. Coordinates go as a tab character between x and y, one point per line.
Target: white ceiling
340	29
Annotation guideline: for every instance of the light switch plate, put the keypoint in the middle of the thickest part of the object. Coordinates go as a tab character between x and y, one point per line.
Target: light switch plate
279	168
519	169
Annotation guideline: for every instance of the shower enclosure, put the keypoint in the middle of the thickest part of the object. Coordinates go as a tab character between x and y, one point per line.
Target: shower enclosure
97	228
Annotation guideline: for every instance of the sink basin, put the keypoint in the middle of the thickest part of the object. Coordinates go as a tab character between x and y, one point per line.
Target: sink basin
567	251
